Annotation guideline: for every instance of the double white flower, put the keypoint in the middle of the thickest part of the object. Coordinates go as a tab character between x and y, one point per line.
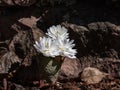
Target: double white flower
47	47
56	44
57	32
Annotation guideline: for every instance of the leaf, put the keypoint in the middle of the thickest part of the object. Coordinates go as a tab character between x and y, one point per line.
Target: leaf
7	60
32	23
49	68
92	75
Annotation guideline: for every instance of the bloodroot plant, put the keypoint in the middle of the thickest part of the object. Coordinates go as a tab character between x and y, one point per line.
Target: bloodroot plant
52	49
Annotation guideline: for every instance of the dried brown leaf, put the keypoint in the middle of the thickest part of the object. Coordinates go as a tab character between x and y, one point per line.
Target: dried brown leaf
92	75
32	23
7	60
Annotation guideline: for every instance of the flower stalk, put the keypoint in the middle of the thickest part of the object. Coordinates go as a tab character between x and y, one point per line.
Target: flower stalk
52	51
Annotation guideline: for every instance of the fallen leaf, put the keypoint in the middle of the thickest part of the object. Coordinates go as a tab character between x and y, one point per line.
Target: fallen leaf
7	60
92	75
32	23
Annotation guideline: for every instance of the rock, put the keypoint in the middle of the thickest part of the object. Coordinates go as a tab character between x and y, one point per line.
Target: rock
92	75
19	49
17	2
97	46
79	35
69	69
98	38
97	43
7	57
21	42
32	23
15	49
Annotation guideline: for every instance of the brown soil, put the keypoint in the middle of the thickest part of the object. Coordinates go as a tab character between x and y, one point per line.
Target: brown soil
89	15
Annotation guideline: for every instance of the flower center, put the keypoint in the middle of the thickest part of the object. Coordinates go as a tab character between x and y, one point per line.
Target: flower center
61	48
57	33
47	45
46	51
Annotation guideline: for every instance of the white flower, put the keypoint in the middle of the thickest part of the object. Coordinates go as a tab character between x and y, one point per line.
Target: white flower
47	47
56	44
65	48
57	32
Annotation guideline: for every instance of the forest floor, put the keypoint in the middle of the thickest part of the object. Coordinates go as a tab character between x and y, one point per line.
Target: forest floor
89	15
